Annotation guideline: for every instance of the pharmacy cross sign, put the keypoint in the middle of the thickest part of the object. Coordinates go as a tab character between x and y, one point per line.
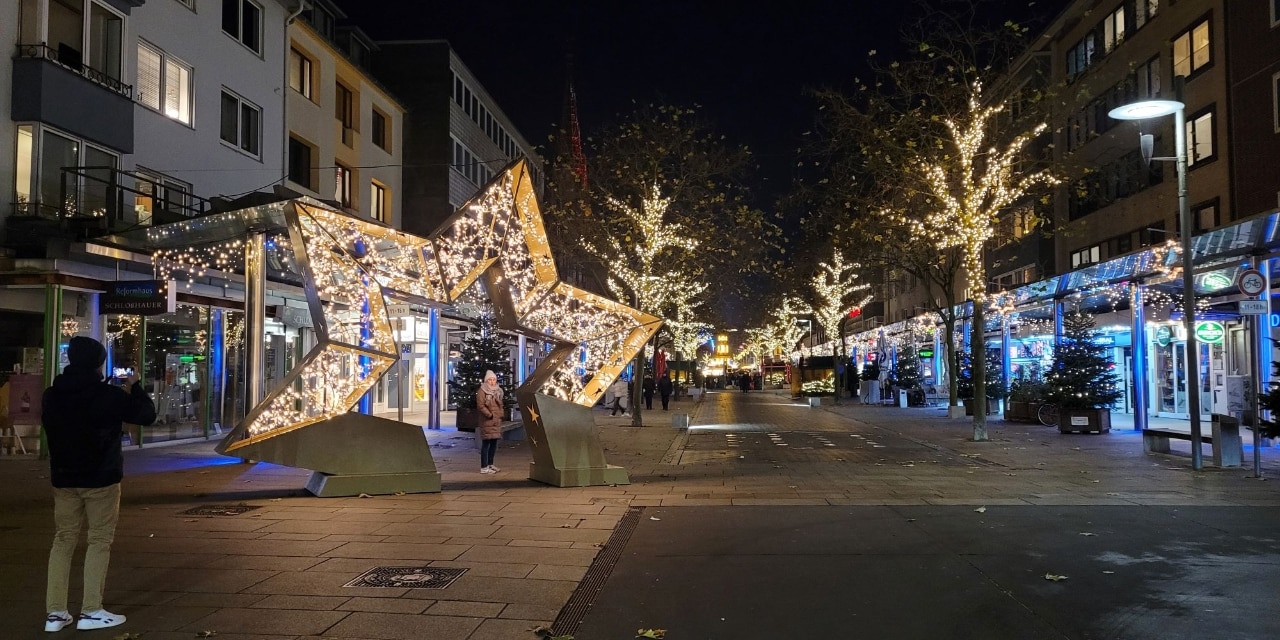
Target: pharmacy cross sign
1251	282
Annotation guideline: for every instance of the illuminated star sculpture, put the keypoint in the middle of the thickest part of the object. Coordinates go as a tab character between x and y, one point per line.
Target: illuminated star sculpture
350	266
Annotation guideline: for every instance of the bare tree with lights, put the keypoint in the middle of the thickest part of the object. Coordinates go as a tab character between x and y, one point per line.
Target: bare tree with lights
836	292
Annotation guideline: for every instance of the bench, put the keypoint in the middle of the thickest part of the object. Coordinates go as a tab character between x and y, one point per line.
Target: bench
1228	448
513	430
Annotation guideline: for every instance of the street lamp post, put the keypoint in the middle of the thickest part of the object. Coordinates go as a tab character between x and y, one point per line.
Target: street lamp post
1154	109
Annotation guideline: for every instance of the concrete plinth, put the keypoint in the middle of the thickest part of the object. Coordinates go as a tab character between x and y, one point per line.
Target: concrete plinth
327	485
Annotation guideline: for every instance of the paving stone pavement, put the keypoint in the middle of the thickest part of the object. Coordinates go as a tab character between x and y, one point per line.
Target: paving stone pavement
280	569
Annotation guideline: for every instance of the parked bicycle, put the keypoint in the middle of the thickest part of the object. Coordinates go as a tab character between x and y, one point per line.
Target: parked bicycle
1048	415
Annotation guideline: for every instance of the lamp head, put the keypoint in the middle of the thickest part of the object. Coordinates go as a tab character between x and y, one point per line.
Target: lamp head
1145	109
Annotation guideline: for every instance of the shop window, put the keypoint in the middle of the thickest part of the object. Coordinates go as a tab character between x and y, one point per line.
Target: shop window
242	20
241	124
164	83
1191	49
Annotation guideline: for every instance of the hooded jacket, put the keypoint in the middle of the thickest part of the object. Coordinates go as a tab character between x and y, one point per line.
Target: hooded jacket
83	417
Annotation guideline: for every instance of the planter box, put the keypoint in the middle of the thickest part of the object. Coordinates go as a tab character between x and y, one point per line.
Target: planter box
1084	420
467	419
1018	411
815	401
955	413
968	406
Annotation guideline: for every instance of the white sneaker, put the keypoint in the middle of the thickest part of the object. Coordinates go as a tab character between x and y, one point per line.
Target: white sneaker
100	619
487	470
494	469
57	620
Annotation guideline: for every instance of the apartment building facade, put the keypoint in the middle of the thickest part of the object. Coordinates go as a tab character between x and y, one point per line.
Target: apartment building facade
344	129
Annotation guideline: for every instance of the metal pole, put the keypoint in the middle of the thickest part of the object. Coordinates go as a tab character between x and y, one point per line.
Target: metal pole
255	309
522	360
434	353
1006	363
1256	323
1138	349
1188	290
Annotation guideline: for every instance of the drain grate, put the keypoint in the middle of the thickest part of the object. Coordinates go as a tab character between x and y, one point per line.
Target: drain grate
219	510
407	577
579	603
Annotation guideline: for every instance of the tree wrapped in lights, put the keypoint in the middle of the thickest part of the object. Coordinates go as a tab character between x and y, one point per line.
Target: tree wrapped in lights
836	292
1082	376
483	349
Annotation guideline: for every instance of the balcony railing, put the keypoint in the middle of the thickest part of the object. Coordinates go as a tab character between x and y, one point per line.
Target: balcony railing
111	200
70	59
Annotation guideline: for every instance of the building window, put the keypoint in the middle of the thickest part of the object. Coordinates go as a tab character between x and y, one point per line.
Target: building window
1191	50
300	167
1275	12
457	91
1144	10
164	84
1113	29
1200	138
87	42
39	187
241	124
322	19
378	201
342	185
381	135
1080	57
300	73
1206	216
156	192
242	20
466	100
1086	256
1146	79
1275	98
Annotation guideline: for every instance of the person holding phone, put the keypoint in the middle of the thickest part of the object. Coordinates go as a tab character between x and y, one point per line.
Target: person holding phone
83	418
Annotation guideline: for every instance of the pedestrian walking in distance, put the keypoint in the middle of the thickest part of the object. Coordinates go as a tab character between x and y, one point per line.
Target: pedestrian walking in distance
619	390
647	388
664	390
489	402
83	418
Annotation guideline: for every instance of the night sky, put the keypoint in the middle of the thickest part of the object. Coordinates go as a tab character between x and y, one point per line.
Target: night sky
748	65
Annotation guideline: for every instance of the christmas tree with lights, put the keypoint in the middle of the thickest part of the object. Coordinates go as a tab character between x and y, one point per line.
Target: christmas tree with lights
1081	376
483	349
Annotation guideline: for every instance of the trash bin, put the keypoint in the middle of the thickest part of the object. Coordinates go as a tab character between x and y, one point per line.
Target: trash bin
679	421
903	400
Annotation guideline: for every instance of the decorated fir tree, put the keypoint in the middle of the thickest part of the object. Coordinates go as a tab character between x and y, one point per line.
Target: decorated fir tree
1081	376
906	371
1270	402
483	349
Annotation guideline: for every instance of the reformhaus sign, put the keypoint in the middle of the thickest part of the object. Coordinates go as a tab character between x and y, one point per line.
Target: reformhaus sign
138	298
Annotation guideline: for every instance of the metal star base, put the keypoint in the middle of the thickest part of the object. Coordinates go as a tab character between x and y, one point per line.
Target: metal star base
565	445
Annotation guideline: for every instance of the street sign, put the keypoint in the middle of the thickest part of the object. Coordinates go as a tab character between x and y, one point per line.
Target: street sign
1251	282
1252	307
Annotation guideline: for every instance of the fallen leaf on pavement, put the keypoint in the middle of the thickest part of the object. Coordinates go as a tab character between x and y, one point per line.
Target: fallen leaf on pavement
1086	533
1053	577
981	509
651	633
364	495
127	636
653	518
1108	572
206	634
191	520
399	493
276	499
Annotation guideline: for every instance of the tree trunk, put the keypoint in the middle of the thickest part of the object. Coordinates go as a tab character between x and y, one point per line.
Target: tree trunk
953	385
837	358
637	379
978	352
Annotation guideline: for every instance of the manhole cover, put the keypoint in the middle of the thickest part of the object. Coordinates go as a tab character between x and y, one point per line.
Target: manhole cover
218	510
407	577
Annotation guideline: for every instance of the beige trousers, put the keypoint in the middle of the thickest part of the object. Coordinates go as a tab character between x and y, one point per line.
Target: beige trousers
101	507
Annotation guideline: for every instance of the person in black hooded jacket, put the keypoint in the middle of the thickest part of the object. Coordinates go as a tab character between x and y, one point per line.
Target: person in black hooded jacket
83	418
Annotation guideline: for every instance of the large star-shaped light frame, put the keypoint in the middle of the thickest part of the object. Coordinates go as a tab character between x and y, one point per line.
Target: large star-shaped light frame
351	266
